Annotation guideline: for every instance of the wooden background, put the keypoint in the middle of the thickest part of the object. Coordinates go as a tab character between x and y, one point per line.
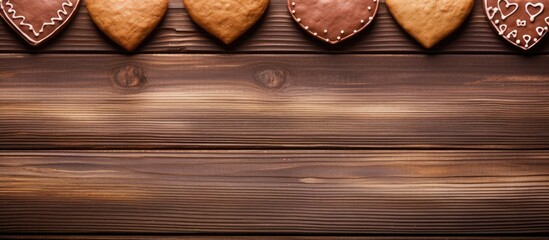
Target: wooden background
277	135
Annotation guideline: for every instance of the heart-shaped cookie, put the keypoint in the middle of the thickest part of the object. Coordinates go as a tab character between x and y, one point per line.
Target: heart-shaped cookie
226	19
38	21
430	21
521	22
333	21
127	22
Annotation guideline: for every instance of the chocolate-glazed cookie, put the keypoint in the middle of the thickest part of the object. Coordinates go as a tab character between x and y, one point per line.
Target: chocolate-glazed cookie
523	23
333	21
38	21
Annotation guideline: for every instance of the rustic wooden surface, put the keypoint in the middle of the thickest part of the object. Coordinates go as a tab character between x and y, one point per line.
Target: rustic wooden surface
212	101
282	191
278	135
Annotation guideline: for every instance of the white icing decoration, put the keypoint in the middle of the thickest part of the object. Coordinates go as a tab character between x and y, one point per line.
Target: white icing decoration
513	34
63	11
521	23
540	31
527	38
537	5
492	12
14	16
502	29
507	5
547	20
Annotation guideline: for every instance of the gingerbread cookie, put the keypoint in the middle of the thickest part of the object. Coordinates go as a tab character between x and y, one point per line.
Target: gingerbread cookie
127	22
226	19
430	21
38	21
333	21
523	23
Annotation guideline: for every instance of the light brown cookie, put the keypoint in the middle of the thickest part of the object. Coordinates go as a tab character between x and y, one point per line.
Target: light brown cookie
226	19
127	22
430	21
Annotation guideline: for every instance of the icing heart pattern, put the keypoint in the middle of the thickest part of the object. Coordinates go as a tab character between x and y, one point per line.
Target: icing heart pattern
508	10
39	21
333	21
533	14
523	23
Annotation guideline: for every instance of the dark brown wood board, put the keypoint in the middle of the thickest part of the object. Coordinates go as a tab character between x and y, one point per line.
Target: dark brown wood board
276	137
282	191
268	101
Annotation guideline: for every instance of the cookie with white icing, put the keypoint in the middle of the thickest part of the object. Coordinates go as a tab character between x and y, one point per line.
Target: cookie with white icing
333	21
430	21
38	21
523	23
127	22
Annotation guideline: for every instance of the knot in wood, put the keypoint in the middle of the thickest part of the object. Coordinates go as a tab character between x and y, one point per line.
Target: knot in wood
130	76
271	78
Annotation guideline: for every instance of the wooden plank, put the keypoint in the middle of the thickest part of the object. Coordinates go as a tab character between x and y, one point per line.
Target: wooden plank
275	192
275	33
269	101
224	237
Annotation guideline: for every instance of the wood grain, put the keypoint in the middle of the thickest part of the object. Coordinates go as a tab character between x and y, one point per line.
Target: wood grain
276	33
231	237
276	192
290	101
371	138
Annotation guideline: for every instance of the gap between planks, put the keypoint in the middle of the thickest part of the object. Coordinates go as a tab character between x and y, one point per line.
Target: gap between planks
266	237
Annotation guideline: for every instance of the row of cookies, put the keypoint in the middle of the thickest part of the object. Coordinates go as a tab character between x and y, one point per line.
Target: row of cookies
128	22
